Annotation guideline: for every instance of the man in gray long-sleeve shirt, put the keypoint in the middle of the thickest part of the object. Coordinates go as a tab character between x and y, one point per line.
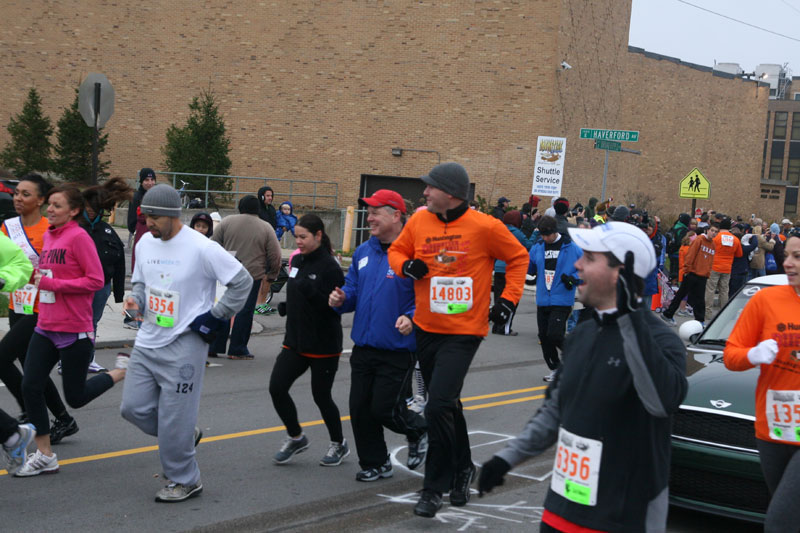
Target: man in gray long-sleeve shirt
255	245
174	283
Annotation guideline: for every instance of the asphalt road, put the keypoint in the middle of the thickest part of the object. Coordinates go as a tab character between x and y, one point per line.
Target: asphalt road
110	470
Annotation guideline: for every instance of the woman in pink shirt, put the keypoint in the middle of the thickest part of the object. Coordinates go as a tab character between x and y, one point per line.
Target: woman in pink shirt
68	275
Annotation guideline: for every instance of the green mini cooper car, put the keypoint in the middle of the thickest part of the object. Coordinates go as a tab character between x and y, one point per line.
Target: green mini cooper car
715	464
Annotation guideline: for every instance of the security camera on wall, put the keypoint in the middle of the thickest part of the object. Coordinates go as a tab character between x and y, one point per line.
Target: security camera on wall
565	65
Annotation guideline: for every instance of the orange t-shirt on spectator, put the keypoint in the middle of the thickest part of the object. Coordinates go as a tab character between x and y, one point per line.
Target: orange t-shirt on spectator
726	247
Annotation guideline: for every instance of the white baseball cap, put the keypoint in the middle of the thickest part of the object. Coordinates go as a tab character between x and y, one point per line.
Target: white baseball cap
618	238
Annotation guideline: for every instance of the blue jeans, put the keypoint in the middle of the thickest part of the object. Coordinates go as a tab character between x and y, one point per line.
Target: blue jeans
572	321
242	324
756	272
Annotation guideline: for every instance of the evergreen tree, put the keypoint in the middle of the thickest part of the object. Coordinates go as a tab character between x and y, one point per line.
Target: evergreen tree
29	147
73	159
200	146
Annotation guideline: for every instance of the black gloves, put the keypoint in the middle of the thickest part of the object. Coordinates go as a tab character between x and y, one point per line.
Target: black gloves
207	325
415	269
627	301
570	281
492	473
501	312
282	309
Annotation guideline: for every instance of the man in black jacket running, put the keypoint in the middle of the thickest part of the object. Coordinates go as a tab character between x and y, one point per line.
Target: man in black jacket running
610	406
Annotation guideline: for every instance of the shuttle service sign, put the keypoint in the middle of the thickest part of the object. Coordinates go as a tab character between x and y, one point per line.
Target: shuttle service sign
549	166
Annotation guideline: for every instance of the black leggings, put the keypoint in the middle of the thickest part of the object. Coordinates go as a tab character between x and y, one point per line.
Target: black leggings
78	391
8	426
289	366
781	466
14	346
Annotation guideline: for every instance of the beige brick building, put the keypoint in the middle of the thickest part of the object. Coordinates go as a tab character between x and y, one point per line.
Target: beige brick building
323	89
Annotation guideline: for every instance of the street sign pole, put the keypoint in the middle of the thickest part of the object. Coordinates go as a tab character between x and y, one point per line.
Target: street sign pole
95	163
605	173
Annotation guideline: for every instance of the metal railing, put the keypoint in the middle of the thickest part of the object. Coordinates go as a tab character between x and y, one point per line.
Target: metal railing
314	190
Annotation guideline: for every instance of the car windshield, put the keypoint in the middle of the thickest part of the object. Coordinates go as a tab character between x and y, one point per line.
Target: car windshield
718	331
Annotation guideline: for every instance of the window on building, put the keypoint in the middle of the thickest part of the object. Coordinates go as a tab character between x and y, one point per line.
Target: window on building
779	129
764	160
766	129
776	160
790	201
796	126
797	96
793	172
775	168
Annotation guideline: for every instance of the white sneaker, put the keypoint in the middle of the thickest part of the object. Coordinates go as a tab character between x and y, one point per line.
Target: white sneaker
94	368
38	463
550	377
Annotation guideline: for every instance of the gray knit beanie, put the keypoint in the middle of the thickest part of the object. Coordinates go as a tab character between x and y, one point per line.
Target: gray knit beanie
449	177
161	200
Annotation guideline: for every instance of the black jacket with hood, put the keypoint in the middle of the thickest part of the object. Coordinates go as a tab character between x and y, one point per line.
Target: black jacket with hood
266	212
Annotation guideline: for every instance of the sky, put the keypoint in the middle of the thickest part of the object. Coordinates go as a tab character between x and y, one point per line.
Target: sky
675	28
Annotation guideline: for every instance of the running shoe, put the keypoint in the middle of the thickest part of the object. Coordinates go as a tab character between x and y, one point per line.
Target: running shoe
62	427
374	474
264	309
123	360
668	320
14	457
429	503
198	435
550	377
22	418
336	454
417	450
130	323
175	492
38	463
459	494
94	368
289	448
241	357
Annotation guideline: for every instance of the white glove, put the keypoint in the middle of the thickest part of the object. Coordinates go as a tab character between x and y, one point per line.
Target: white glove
764	353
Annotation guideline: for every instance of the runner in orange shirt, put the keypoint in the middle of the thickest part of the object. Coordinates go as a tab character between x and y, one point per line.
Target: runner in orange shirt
726	247
449	250
767	335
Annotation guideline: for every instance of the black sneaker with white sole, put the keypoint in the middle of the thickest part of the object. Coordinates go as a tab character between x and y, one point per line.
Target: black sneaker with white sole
61	428
417	450
374	474
459	494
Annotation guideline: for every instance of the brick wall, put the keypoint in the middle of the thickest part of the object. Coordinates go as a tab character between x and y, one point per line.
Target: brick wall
324	89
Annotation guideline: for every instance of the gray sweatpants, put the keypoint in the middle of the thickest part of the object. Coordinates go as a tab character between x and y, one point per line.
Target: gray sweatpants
162	397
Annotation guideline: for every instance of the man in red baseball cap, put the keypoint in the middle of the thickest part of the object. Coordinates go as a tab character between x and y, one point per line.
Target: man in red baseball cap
383	351
384	197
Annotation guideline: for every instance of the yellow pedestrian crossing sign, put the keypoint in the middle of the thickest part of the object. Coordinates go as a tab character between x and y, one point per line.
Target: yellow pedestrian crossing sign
695	185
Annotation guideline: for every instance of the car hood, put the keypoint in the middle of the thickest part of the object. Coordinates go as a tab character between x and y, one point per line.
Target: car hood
712	387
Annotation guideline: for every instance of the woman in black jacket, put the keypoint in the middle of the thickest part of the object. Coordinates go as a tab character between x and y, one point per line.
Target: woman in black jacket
110	249
313	339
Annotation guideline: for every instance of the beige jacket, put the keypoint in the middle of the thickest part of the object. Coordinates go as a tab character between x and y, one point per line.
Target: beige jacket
764	246
254	242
